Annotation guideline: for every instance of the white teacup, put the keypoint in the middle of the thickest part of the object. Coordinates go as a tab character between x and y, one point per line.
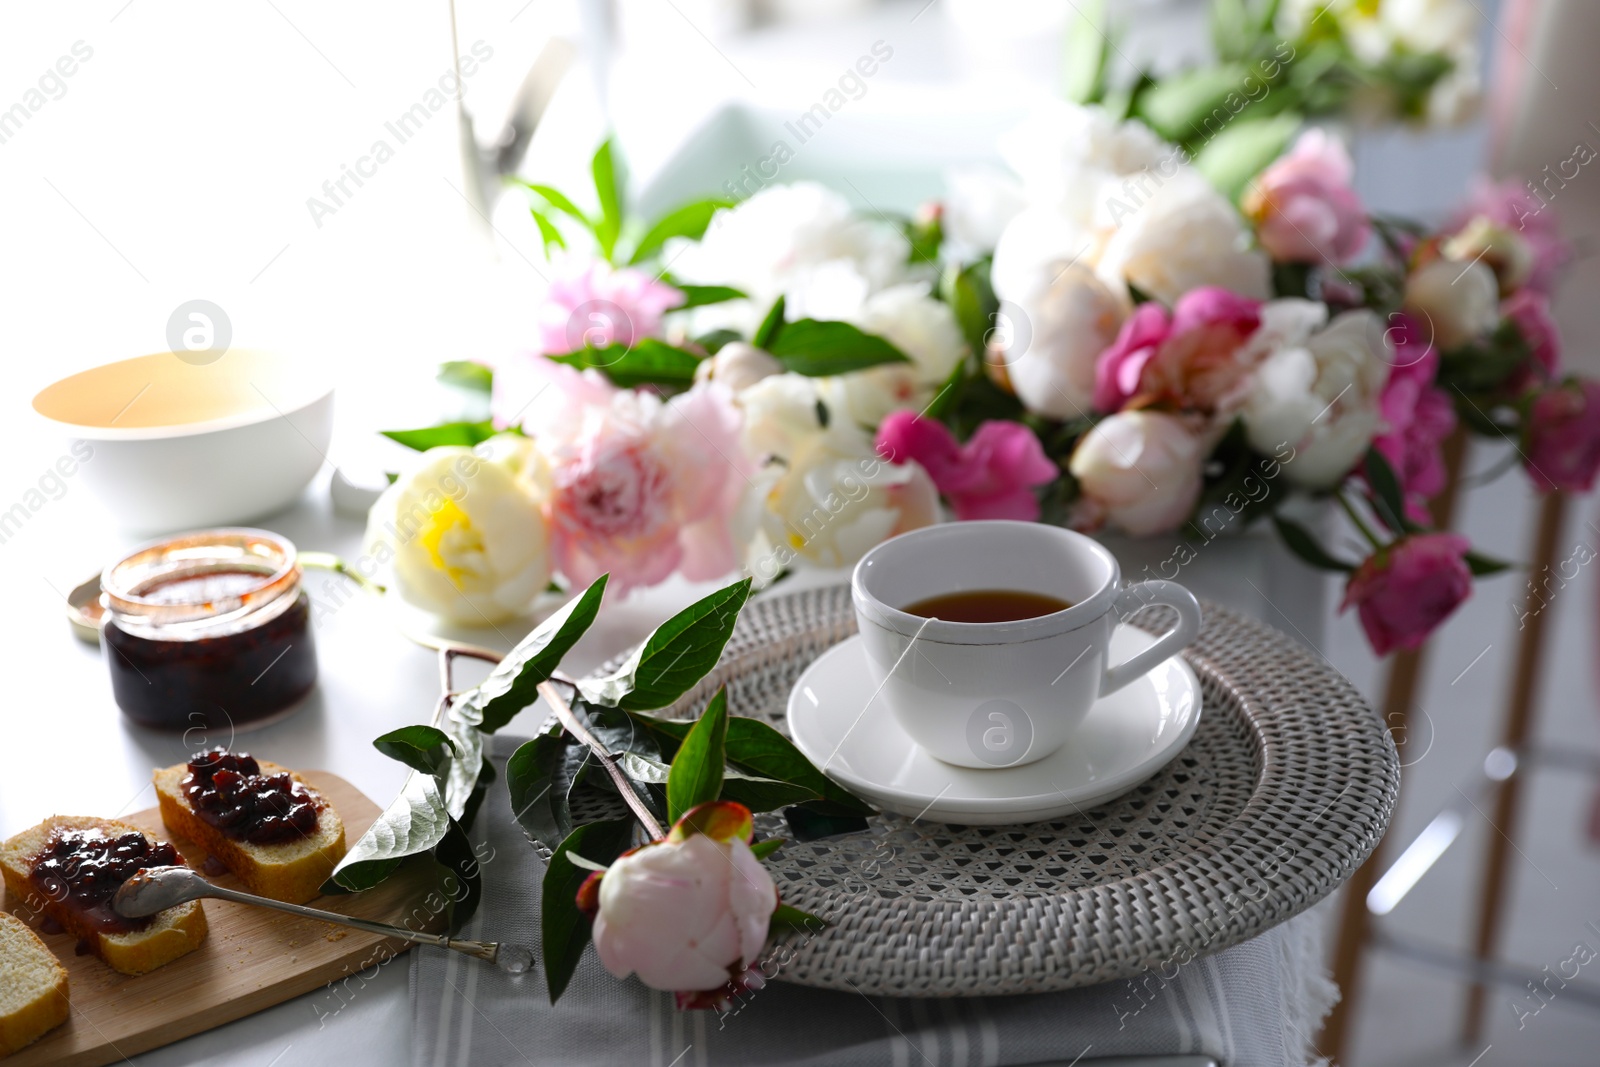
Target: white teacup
1002	694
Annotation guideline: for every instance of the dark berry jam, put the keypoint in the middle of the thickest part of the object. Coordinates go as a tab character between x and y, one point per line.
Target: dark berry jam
230	793
83	869
227	680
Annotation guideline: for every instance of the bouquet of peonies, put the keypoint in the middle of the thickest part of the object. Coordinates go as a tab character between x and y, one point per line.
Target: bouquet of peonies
1120	331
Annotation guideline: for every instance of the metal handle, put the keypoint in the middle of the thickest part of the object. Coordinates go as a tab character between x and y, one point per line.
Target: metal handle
483	950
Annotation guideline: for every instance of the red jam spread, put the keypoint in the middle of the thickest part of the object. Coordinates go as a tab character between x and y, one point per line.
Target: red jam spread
228	791
83	869
232	678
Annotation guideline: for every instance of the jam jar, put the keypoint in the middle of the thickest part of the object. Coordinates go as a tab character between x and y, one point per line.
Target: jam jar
208	629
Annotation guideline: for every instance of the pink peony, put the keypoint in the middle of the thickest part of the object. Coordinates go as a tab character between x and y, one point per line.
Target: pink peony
1417	418
1529	310
644	488
689	913
1303	205
1140	471
1193	359
601	305
992	476
1562	449
1405	590
1512	206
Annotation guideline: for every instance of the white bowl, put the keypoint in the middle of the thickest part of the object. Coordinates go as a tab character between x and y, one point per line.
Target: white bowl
170	443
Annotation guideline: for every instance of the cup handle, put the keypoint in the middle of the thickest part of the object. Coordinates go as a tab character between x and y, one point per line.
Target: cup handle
1143	594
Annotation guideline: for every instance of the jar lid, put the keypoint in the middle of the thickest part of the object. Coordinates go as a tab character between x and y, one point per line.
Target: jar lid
204	574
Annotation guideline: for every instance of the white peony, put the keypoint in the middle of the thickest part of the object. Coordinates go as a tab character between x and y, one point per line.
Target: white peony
1141	469
1052	343
1069	158
1320	397
924	329
462	535
772	245
737	365
1457	303
979	203
1187	235
822	496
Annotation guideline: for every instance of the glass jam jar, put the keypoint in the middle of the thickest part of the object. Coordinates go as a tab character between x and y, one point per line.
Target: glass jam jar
208	629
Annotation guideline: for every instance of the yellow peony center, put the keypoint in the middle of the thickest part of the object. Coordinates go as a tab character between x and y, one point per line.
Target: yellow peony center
449	527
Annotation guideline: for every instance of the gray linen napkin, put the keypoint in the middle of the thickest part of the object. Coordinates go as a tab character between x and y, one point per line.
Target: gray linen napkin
1259	1003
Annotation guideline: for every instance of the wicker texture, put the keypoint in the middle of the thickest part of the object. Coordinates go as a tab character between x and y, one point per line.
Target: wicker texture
1286	787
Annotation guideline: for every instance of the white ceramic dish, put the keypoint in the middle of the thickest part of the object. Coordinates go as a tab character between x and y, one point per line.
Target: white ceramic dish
169	444
838	721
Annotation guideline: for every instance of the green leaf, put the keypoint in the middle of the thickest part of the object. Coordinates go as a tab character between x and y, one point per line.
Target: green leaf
770	326
696	776
753	791
700	295
608	189
762	849
689	221
558	200
648	362
1191	106
422	748
1301	543
975	305
460	434
822	349
566	930
712	342
676	656
467	374
540	777
1087	49
463	886
548	233
412	824
1482	566
514	682
787	917
1388	498
1243	149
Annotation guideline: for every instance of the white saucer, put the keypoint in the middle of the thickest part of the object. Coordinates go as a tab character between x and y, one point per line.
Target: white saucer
847	731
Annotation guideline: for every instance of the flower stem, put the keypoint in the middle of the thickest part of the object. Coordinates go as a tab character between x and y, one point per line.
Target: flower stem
327	561
1355	517
570	721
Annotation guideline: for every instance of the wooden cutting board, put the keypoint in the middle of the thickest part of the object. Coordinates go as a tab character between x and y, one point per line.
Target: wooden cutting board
253	958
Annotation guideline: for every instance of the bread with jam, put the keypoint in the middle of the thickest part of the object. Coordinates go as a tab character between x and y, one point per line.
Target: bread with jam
262	822
68	868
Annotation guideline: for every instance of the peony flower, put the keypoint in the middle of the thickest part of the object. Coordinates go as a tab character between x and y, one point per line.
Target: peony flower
979	205
1051	344
924	329
1304	207
1185	237
737	366
601	305
1320	396
1141	469
462	536
1070	157
992	476
1457	303
1417	418
644	488
1529	311
1562	447
1500	249
1405	590
1511	206
772	244
689	913
822	495
1194	358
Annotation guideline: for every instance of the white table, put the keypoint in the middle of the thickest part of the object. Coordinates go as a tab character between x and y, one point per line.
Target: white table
68	750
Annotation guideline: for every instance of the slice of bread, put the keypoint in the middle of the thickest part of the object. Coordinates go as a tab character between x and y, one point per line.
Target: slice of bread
171	933
290	871
33	986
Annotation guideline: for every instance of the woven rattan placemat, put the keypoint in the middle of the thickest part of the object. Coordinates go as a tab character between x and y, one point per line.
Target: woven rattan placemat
1286	787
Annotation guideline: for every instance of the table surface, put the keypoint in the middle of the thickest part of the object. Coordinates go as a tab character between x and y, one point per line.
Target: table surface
68	750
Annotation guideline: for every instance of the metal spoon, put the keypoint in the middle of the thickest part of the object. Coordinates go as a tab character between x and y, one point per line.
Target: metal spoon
158	888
